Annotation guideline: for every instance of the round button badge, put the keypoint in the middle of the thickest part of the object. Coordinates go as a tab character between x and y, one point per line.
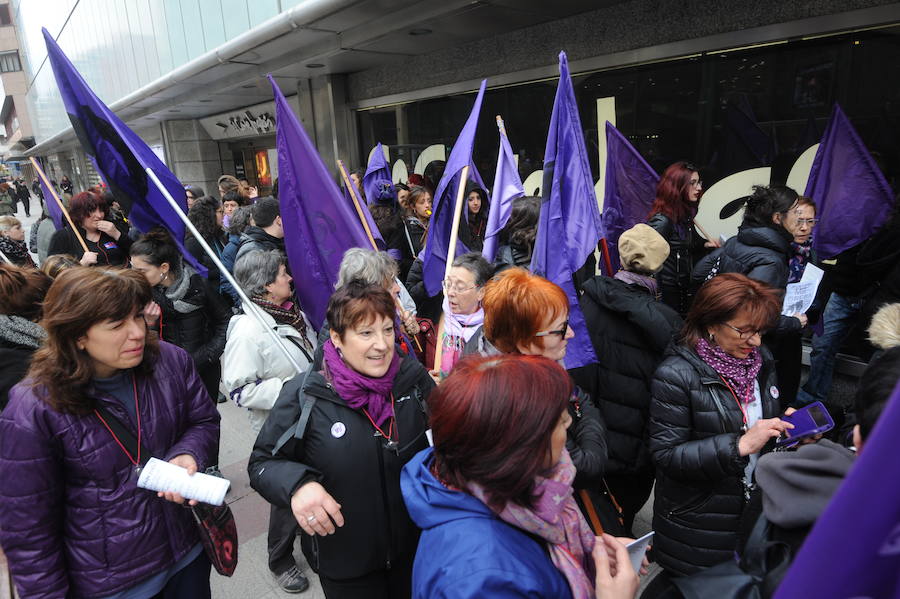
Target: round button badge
338	429
773	391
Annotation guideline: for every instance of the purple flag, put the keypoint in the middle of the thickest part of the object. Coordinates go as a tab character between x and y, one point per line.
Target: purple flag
438	241
507	187
852	197
569	226
119	155
50	203
854	548
629	191
377	172
319	224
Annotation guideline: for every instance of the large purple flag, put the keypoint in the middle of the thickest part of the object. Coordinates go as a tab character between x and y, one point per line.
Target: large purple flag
50	203
120	156
854	548
377	172
852	197
507	187
438	240
569	226
629	192
319	224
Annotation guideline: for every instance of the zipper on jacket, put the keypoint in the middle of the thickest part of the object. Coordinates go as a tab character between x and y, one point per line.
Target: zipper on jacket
387	507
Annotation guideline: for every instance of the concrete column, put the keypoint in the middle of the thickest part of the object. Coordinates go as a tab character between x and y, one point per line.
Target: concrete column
192	155
334	121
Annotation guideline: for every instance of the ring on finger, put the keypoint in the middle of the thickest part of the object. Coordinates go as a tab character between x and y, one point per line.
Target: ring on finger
310	518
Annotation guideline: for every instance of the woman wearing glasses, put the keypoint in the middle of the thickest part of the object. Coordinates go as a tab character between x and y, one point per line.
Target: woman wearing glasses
672	215
462	311
713	411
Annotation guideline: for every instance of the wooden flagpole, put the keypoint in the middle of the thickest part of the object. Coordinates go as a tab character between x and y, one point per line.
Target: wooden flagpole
59	202
457	216
359	212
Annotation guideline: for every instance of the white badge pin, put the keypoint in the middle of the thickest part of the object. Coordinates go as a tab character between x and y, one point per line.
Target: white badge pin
773	390
338	429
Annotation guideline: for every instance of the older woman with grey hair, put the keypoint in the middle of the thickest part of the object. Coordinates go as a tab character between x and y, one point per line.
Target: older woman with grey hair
378	268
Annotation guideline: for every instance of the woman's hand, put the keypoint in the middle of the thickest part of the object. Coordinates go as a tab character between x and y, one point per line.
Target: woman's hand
410	324
802	318
152	312
253	192
645	563
315	510
435	376
616	579
188	463
88	258
759	434
104	226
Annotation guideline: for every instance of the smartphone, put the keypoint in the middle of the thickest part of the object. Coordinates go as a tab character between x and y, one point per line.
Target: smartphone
808	421
637	549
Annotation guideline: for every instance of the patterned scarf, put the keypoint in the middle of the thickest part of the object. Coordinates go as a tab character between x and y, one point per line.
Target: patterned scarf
16	251
458	329
799	258
739	373
556	519
359	391
288	313
177	290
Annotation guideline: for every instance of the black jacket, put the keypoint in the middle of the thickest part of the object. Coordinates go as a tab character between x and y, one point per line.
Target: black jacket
685	248
586	441
254	238
14	362
214	277
426	307
695	426
413	235
109	251
201	332
355	467
630	331
509	256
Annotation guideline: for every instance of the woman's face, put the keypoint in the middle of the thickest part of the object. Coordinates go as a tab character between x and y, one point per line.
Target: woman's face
369	348
190	199
556	333
115	345
558	438
474	202
280	290
423	206
695	187
90	221
799	222
155	275
737	336
401	197
229	207
462	293
15	232
220	216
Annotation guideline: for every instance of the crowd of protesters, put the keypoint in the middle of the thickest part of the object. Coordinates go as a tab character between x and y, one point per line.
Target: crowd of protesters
427	446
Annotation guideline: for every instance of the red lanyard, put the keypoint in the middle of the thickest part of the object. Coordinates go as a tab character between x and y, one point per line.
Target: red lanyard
136	462
740	406
390	434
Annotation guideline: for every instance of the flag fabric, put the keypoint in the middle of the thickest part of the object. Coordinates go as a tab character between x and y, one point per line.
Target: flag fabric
120	156
438	241
507	187
377	171
854	548
629	191
53	209
853	199
569	226
319	224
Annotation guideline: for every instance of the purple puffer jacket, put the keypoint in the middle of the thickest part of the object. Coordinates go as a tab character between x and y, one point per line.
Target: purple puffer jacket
72	521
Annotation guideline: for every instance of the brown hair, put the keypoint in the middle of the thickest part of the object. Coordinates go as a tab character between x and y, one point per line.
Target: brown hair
78	299
22	291
515	306
228	183
804	201
356	303
57	263
722	297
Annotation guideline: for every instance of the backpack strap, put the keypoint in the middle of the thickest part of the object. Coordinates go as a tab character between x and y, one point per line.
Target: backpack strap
123	434
298	429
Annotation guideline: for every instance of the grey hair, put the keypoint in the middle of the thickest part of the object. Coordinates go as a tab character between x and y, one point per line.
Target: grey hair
477	265
256	269
368	266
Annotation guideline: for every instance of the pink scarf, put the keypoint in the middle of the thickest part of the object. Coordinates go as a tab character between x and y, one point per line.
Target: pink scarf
556	519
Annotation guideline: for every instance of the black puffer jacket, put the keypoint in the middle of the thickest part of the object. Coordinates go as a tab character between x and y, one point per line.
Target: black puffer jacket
112	252
426	307
685	248
695	425
630	331
354	466
509	256
202	332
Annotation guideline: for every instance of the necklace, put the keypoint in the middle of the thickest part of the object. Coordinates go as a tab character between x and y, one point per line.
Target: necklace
134	460
391	443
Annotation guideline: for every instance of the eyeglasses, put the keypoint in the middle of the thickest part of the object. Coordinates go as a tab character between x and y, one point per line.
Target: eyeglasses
697	183
812	222
561	332
745	334
447	284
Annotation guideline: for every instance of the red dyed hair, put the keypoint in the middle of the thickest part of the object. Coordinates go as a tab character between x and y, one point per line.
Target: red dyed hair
722	297
672	193
492	421
516	303
82	204
358	303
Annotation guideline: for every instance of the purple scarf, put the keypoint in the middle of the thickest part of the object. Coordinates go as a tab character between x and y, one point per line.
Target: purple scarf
800	253
739	373
359	391
558	521
633	278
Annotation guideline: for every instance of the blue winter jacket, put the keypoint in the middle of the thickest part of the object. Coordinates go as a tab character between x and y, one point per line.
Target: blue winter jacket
466	551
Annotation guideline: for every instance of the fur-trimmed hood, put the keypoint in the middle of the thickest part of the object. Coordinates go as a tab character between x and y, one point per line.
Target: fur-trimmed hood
884	331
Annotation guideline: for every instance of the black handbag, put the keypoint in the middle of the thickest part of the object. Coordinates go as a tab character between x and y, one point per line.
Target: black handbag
215	523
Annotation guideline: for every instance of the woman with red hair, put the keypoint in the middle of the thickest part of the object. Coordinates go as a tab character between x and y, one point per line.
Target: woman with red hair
495	502
106	243
672	215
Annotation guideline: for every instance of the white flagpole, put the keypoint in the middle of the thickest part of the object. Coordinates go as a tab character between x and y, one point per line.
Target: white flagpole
5	259
244	299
